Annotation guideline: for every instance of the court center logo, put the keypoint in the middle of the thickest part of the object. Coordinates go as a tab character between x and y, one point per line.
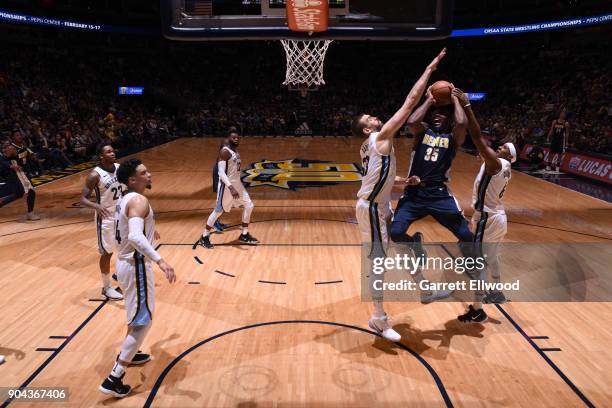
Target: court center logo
292	174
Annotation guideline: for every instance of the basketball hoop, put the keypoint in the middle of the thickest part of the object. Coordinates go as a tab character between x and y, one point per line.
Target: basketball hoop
305	61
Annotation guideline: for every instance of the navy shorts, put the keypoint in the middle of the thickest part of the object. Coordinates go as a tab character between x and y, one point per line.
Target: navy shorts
418	202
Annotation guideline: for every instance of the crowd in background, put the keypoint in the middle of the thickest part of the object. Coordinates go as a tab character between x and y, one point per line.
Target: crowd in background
61	103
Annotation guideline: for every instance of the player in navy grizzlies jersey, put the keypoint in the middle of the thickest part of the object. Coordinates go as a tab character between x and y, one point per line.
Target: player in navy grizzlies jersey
435	146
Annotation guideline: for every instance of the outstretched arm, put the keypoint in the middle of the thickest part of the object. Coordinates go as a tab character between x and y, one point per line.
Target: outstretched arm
461	120
415	121
395	123
492	163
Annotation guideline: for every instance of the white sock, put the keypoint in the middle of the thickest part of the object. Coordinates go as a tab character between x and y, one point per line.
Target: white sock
417	276
118	370
214	216
130	346
106	283
245	230
379	312
246	213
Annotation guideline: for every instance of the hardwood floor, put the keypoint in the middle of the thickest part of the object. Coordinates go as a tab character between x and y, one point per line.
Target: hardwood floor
283	324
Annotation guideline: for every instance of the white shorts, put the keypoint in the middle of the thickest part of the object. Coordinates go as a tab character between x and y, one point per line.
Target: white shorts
373	220
489	230
489	227
225	200
24	180
135	278
105	230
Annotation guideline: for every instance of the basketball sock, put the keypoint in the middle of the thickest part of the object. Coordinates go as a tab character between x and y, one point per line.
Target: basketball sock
31	199
105	280
379	311
118	370
245	230
376	294
417	276
494	269
132	342
214	216
246	213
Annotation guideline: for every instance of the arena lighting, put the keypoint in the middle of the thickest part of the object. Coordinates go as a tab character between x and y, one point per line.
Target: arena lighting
130	90
9	16
526	28
476	96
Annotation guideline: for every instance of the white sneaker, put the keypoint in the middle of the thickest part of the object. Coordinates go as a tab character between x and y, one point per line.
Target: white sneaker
382	327
1	359
433	295
32	217
111	294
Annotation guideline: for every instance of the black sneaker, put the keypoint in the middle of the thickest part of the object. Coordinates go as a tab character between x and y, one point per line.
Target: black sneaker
139	358
417	245
205	242
248	239
473	316
115	387
495	296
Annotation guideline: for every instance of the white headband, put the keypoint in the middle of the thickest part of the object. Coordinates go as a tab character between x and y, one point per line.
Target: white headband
512	149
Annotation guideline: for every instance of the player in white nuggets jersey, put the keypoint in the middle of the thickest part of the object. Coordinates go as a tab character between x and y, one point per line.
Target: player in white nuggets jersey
135	233
108	190
373	208
489	219
230	193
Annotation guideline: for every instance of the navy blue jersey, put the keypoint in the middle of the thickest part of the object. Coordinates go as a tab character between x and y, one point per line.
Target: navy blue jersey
432	158
559	131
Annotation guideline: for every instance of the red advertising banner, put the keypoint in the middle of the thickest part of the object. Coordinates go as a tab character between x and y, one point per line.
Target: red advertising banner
580	164
308	15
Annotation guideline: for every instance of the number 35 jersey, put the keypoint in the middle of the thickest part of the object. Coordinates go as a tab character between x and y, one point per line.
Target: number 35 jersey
432	158
378	172
109	190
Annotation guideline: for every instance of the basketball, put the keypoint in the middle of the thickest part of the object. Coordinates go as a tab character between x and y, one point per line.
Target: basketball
441	91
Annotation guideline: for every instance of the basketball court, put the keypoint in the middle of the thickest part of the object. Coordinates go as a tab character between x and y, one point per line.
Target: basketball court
283	324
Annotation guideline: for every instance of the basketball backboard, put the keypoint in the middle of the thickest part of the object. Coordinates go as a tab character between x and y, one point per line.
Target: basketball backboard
266	19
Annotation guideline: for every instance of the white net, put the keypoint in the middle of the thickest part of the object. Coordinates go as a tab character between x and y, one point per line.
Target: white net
305	61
